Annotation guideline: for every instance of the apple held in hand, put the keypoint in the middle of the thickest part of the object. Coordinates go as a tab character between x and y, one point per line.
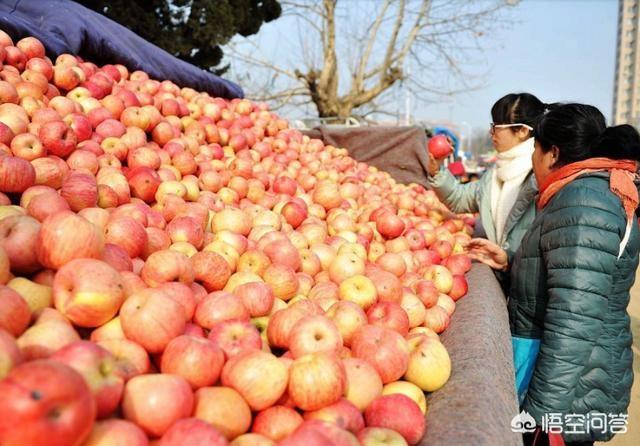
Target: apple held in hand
440	147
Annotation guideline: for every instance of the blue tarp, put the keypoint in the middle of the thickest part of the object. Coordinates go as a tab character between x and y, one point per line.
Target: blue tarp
64	26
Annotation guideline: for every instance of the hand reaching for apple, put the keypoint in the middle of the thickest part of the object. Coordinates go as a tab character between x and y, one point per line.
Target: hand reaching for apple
487	252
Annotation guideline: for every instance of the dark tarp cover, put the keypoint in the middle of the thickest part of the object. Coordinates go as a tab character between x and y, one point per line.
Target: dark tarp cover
64	26
400	151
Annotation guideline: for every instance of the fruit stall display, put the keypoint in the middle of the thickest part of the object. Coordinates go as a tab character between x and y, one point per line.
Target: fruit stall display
179	269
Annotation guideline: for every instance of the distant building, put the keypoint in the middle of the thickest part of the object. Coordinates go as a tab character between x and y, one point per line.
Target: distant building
626	90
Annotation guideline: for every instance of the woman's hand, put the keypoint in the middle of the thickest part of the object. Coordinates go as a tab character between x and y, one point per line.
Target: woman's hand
482	250
434	165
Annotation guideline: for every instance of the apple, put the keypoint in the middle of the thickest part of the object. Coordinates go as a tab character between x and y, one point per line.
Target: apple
437	318
379	436
388	286
415	309
47	335
345	266
316	380
459	288
441	277
224	409
197	360
439	146
98	367
427	292
447	303
235	337
384	349
408	389
182	294
277	422
399	413
65	236
282	321
57	138
389	225
116	432
315	333
217	307
257	298
429	365
15	314
132	359
252	440
10	355
283	281
360	290
167	266
389	315
43	205
259	390
458	264
316	432
152	319
27	146
343	414
88	292
192	431
369	384
348	318
16	174
41	397
156	401
211	270
128	233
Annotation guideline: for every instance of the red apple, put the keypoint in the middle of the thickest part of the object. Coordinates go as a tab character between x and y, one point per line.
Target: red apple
316	380
315	333
18	237
58	138
384	349
152	319
88	292
440	147
80	190
155	402
192	431
277	422
379	436
15	314
389	315
98	367
260	390
16	174
224	409
235	337
66	236
45	402
198	360
116	432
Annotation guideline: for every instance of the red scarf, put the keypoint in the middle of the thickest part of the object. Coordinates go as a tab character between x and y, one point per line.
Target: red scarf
622	174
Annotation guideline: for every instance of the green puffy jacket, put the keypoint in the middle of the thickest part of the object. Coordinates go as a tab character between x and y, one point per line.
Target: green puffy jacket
567	308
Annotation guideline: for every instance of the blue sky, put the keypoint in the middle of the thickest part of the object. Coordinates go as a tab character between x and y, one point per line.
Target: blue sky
559	50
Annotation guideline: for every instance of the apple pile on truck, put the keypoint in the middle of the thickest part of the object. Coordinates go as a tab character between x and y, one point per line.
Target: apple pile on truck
182	269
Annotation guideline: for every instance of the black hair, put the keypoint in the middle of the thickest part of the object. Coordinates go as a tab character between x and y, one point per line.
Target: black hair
517	108
580	132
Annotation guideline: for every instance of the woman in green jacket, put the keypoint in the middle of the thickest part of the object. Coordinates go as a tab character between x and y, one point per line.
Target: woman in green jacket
571	277
504	196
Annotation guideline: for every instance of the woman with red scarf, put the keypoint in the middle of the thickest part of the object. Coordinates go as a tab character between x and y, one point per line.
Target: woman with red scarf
570	280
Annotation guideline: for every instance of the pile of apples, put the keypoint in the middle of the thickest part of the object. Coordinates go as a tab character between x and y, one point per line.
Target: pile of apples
179	269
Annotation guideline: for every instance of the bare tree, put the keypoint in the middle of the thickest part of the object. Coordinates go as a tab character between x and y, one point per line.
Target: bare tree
351	53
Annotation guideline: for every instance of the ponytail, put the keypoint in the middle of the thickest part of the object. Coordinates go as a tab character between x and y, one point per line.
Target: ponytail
618	142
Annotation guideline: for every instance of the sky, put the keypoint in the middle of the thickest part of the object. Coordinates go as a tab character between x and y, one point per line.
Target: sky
559	50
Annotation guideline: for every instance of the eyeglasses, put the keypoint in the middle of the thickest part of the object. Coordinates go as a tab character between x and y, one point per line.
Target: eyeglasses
493	126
